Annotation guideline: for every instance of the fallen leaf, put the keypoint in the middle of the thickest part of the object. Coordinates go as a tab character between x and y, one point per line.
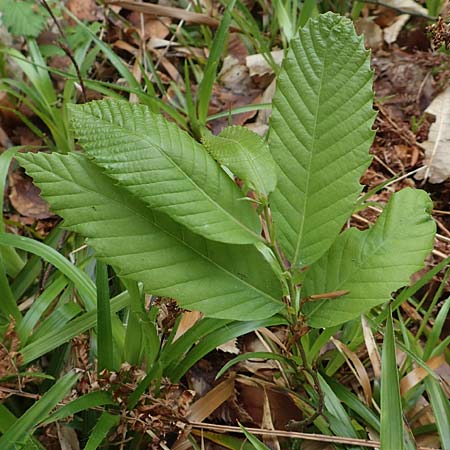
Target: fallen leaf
391	32
229	347
151	28
416	375
437	147
406	6
166	11
188	320
258	66
373	35
206	405
267	423
234	76
4	139
83	9
68	439
25	197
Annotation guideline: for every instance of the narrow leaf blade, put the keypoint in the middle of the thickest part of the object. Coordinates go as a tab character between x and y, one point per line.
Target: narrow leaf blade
391	430
36	414
441	409
100	431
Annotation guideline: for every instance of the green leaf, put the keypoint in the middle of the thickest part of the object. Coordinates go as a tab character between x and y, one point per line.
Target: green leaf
257	444
371	264
13	262
100	431
441	409
177	368
340	422
162	165
391	430
22	428
22	18
223	281
75	327
105	346
253	355
7	420
87	401
320	134
209	75
246	155
80	279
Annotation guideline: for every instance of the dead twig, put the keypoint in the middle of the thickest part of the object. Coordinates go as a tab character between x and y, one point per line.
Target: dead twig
294	435
166	11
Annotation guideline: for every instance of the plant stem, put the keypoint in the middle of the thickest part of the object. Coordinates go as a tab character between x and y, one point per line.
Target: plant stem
274	247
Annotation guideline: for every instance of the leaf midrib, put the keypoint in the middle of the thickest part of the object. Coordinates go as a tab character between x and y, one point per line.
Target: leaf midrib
185	175
164	231
311	153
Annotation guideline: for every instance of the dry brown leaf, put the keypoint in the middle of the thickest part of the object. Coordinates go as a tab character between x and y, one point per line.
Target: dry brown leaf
188	320
372	348
258	66
150	28
68	439
357	367
437	147
373	35
251	395
267	423
391	32
229	347
166	11
407	6
4	139
206	405
83	9
416	375
234	75
137	74
25	197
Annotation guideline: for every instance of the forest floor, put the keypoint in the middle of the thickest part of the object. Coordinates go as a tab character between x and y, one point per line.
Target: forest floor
410	56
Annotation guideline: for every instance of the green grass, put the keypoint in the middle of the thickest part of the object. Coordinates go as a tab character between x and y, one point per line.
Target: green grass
82	298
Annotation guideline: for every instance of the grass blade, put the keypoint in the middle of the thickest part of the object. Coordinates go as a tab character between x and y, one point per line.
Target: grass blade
178	367
257	444
90	400
101	430
391	432
209	75
252	355
75	327
13	262
8	305
133	336
21	429
39	307
7	420
434	337
309	8
79	278
105	349
441	409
